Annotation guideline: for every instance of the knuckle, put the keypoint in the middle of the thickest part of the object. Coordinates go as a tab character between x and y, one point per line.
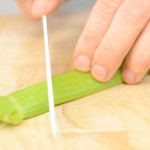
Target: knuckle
108	6
141	58
91	39
109	3
89	44
135	10
110	52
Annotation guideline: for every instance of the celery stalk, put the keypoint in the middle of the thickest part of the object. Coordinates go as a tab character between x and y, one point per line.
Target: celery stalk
33	100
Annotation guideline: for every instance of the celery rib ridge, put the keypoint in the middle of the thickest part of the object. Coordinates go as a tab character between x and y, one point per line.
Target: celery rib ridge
33	100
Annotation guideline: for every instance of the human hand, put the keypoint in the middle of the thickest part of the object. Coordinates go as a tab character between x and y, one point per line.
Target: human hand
117	31
37	8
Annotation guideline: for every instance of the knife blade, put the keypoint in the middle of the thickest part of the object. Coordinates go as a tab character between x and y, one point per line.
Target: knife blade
52	113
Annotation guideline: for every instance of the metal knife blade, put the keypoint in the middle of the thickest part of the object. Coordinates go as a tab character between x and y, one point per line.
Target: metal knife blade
49	79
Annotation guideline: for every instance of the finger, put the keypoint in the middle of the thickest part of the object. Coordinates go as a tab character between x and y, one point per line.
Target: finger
97	25
37	8
44	7
25	7
137	62
127	24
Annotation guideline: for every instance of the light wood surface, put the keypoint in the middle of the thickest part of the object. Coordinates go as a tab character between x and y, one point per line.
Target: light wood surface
115	119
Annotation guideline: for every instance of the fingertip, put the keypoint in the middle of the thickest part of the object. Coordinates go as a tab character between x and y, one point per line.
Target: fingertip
100	73
82	63
129	76
41	8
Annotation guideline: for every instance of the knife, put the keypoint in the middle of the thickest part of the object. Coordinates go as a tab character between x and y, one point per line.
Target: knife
52	113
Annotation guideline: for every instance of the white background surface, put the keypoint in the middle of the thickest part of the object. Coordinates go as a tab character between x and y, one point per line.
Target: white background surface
9	6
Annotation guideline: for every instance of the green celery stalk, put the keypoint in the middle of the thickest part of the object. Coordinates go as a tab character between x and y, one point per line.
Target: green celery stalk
33	100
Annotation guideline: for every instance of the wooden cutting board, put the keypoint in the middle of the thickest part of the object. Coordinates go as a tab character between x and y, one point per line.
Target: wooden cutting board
115	119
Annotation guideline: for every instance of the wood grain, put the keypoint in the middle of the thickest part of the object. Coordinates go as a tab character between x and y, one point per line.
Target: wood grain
115	119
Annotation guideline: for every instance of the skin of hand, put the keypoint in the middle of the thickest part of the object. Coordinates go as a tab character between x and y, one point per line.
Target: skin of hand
117	32
38	8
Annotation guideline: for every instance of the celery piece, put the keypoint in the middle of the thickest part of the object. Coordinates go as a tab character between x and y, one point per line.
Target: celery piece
33	100
10	111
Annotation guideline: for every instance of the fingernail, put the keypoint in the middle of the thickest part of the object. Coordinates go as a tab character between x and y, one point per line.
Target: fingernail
82	63
129	76
100	73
